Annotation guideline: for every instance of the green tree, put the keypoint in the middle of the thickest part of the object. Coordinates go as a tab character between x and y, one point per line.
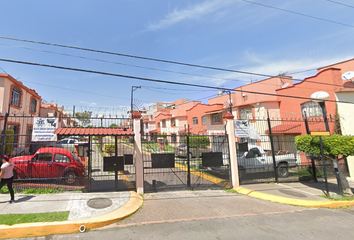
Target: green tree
335	147
110	148
113	125
84	117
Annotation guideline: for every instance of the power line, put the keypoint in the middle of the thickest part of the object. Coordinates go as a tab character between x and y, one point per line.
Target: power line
339	3
300	14
161	60
158	80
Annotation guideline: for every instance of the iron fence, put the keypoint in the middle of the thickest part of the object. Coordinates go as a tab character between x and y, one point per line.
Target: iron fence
185	161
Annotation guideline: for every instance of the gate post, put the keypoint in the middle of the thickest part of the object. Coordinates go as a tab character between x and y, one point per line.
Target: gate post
138	156
230	129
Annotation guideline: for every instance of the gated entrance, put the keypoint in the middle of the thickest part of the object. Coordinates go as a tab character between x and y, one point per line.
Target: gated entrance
178	162
109	157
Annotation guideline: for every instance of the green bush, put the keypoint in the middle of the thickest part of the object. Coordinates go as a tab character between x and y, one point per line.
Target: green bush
110	148
307	172
198	141
9	139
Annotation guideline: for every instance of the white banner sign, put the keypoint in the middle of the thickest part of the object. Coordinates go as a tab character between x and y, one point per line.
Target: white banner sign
43	129
244	129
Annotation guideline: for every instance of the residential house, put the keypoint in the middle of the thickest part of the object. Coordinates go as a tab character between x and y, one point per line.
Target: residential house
23	104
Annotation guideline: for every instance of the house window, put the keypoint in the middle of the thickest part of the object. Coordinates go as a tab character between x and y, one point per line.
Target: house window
146	125
173	138
55	114
163	123
158	124
15	96
33	107
173	122
311	109
195	121
204	120
245	113
29	134
216	118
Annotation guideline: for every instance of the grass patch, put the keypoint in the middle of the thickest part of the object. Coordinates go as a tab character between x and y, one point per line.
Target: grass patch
337	197
43	190
5	190
153	147
230	190
11	219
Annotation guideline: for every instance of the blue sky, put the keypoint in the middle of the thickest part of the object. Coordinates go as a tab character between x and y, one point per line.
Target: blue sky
230	34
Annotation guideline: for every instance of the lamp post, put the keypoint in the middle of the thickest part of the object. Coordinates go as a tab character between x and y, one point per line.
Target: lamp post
320	97
101	138
131	105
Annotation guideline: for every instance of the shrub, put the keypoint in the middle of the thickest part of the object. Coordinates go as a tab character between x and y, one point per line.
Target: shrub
9	140
110	148
198	141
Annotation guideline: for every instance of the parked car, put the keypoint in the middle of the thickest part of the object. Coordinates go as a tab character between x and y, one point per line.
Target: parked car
181	151
49	163
66	143
256	160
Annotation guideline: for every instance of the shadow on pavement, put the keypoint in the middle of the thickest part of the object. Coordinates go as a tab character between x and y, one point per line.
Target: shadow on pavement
24	199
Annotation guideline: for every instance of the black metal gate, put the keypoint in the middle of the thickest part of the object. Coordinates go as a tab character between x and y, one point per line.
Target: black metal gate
179	162
111	164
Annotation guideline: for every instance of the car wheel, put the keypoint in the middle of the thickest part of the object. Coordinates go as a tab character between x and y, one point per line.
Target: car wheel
70	177
283	170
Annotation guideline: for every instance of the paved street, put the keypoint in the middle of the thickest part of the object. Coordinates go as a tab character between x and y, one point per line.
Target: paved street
218	215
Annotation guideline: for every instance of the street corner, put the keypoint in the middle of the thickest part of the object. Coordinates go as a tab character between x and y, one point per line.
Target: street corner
72	226
293	201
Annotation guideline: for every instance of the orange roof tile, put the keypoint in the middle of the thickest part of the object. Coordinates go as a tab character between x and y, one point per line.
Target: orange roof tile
94	131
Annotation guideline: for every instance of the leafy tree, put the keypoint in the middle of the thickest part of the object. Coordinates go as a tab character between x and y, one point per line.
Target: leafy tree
84	117
110	148
113	125
335	147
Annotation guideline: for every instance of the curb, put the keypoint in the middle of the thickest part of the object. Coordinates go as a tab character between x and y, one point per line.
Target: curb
72	226
294	202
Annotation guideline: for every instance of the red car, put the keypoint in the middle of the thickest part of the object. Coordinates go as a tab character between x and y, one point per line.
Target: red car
49	162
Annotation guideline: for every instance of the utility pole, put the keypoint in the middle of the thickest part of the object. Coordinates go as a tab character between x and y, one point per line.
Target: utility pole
131	105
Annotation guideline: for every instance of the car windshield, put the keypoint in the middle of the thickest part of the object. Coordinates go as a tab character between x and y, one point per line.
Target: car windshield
76	158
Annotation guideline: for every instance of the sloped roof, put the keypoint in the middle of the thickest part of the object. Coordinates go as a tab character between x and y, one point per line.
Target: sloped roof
94	131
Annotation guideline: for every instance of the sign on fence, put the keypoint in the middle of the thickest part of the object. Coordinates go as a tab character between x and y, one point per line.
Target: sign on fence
244	129
43	129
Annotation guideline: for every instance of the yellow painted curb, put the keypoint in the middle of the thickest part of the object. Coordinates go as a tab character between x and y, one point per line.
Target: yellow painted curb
295	202
72	226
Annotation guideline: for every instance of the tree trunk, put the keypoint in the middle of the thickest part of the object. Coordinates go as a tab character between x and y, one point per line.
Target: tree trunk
343	180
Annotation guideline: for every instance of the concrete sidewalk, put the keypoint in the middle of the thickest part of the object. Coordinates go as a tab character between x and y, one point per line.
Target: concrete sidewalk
305	194
91	210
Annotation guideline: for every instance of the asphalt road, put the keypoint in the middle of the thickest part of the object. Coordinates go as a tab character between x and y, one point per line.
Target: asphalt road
221	215
316	224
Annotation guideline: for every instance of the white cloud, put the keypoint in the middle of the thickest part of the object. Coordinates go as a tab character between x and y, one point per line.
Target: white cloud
194	12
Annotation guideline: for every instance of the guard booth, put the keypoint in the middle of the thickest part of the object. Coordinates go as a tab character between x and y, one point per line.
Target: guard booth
107	156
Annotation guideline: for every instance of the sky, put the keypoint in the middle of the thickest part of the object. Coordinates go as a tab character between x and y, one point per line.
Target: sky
232	34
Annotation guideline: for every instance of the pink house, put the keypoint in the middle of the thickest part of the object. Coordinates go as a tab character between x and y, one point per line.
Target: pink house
24	104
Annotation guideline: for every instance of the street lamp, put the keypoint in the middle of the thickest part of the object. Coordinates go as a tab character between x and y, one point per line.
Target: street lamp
131	105
321	97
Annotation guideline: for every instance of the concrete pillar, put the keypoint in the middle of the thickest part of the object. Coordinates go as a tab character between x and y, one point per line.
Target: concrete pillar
230	129
138	154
